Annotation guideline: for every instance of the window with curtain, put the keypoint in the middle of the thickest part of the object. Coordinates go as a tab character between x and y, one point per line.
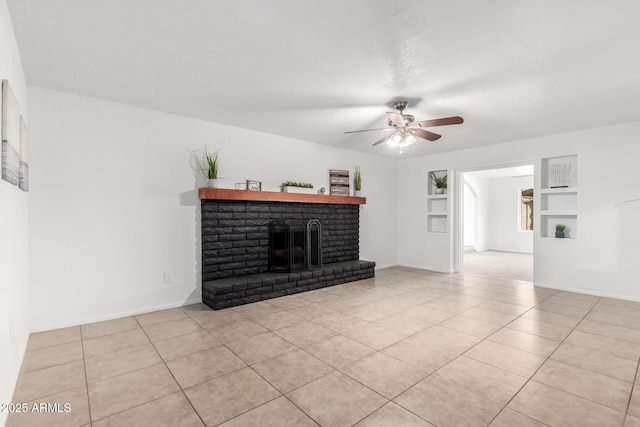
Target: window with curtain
526	209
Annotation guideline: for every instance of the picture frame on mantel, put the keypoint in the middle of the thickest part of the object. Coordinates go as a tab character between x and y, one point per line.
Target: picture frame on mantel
254	185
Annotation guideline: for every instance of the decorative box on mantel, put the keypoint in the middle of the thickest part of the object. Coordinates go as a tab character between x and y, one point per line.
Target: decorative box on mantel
235	244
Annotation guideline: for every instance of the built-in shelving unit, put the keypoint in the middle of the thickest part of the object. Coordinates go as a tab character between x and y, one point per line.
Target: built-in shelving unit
559	196
437	206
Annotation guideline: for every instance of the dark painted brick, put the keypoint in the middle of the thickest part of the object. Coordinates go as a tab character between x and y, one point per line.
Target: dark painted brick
232	208
280	286
258	208
269	281
245	230
232	237
240	287
254	283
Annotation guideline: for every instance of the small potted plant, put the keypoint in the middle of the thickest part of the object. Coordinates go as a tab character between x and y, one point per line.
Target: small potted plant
439	182
209	166
357	182
297	187
560	230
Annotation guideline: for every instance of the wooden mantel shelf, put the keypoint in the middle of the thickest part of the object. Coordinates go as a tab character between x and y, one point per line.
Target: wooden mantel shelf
272	196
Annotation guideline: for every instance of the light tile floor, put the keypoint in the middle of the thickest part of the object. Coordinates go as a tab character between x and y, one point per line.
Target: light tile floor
410	348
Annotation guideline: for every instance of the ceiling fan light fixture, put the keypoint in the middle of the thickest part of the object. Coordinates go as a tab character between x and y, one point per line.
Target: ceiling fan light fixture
405	129
409	139
395	140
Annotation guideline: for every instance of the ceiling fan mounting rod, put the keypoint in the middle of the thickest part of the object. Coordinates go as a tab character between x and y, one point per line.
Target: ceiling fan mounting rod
401	105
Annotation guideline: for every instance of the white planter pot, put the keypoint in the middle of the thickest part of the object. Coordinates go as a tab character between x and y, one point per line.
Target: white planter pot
212	183
440	190
299	190
356	193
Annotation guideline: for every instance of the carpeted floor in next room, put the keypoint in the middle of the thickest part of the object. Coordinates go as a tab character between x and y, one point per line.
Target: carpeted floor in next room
410	347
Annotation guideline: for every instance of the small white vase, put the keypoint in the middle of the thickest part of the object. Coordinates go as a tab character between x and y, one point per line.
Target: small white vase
356	193
439	191
212	183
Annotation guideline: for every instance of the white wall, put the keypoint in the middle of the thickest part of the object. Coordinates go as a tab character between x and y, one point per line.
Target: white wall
504	214
113	202
602	259
481	212
13	234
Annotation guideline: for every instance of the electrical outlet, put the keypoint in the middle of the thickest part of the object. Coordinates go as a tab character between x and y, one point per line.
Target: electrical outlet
168	277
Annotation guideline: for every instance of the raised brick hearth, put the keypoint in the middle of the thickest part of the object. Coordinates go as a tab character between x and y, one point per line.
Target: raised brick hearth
223	293
235	245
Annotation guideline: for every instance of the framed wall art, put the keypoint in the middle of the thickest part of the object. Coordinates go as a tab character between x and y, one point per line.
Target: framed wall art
10	135
254	185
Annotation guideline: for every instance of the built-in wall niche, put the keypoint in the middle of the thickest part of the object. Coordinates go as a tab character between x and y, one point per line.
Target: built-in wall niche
559	195
437	223
549	222
437	203
560	172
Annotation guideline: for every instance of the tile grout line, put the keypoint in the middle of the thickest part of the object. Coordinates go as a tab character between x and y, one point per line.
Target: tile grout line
253	370
86	380
169	370
633	388
546	360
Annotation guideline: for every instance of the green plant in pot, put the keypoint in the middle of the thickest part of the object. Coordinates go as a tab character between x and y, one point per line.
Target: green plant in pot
560	228
297	184
297	187
209	166
357	182
439	182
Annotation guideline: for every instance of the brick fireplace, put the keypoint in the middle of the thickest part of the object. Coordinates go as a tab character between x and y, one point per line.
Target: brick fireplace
235	244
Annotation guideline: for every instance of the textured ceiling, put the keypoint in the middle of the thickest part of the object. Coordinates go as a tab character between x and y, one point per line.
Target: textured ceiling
313	69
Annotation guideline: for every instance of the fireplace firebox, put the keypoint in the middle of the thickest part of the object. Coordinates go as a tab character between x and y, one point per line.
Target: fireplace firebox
295	245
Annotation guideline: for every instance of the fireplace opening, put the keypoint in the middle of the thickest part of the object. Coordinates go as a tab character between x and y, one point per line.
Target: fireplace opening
295	245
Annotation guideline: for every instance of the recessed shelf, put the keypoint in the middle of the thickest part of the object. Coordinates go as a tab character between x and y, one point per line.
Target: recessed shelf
437	223
559	205
548	224
562	190
437	204
558	213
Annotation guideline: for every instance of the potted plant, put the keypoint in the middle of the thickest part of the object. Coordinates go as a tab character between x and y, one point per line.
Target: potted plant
297	187
560	230
357	182
209	165
440	182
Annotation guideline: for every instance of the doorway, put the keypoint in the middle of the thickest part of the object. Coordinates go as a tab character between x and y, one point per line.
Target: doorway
495	222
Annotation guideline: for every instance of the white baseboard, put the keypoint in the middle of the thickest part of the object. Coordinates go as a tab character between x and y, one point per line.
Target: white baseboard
380	267
426	267
111	316
587	292
504	250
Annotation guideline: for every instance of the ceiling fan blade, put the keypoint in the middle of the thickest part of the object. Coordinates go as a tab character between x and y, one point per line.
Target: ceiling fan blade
366	130
381	140
396	119
456	120
425	134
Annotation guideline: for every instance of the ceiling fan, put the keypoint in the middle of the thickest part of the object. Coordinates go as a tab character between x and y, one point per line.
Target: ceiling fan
404	129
